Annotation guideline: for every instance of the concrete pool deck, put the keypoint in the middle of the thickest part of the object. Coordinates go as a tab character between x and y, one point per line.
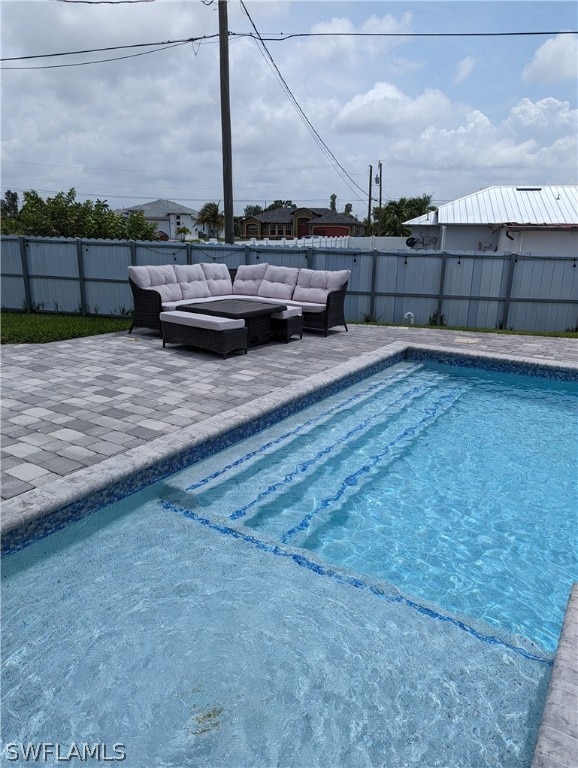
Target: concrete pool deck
79	415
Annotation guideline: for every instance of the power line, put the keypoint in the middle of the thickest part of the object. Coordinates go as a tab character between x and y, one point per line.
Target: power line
96	61
282	37
110	48
316	137
13	188
105	2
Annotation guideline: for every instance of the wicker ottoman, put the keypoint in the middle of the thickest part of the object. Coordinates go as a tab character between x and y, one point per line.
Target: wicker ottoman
216	334
287	323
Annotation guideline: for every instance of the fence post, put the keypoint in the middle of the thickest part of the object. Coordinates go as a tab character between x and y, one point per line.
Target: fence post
441	289
247	254
372	288
508	296
82	284
189	253
132	246
310	258
25	276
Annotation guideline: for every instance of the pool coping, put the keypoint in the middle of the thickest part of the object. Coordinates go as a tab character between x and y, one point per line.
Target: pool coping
38	513
113	478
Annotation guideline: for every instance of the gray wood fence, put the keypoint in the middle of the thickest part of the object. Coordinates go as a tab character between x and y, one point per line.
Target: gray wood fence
470	290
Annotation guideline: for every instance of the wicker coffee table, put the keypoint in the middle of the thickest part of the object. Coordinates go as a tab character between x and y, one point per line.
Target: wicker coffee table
257	316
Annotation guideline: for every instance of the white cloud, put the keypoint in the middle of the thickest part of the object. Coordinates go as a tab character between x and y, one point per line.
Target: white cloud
550	114
386	108
464	69
150	126
556	59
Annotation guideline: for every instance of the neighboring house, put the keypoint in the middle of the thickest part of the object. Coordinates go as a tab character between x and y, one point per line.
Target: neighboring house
168	217
539	221
300	222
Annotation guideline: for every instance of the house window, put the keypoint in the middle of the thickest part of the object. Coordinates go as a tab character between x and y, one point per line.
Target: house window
272	229
252	230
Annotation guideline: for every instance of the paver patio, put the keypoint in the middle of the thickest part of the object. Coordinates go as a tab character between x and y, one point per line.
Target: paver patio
72	404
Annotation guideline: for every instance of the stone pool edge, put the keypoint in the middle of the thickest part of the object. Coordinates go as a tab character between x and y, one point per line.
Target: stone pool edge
557	742
36	513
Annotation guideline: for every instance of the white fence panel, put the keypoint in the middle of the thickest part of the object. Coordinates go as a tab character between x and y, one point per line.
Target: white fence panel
472	290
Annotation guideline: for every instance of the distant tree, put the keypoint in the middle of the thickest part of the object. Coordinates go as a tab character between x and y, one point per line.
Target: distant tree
63	216
209	216
136	227
9	206
252	210
389	219
9	214
182	232
348	208
280	204
237	231
333	202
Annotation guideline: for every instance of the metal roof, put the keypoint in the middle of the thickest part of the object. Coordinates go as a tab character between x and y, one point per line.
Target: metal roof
508	205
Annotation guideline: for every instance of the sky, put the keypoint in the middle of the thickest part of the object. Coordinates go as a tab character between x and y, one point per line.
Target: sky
445	113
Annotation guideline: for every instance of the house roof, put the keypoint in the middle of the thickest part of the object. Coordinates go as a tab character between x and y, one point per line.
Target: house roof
160	209
552	205
321	216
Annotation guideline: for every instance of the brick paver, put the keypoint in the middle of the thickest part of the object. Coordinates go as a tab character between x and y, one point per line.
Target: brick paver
71	404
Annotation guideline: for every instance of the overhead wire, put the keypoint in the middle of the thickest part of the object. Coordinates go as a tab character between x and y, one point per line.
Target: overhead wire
282	37
316	137
161	46
98	61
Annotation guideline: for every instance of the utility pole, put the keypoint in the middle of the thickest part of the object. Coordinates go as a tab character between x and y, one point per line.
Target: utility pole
378	180
226	122
369	201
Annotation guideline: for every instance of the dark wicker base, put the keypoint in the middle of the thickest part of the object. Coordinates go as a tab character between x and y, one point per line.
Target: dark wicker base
333	315
322	321
258	329
147	308
284	329
220	342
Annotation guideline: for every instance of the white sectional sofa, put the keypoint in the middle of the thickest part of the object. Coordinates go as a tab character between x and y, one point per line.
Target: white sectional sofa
319	294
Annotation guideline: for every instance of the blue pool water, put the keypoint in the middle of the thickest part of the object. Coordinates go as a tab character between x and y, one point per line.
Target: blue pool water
290	601
459	487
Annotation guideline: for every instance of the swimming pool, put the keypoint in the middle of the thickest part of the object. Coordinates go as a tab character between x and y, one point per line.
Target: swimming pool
458	487
162	623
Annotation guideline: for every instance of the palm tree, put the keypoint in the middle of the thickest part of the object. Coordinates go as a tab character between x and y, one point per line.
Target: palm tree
389	219
209	216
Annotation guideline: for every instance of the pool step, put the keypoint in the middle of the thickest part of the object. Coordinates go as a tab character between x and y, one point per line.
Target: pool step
287	510
237	475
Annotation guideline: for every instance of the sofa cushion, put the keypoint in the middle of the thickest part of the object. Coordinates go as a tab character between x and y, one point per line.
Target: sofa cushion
170	292
202	321
285	314
248	278
168	306
192	281
306	306
218	279
151	277
314	284
278	282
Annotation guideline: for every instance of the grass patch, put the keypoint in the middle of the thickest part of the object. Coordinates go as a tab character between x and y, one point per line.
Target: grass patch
553	334
24	328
